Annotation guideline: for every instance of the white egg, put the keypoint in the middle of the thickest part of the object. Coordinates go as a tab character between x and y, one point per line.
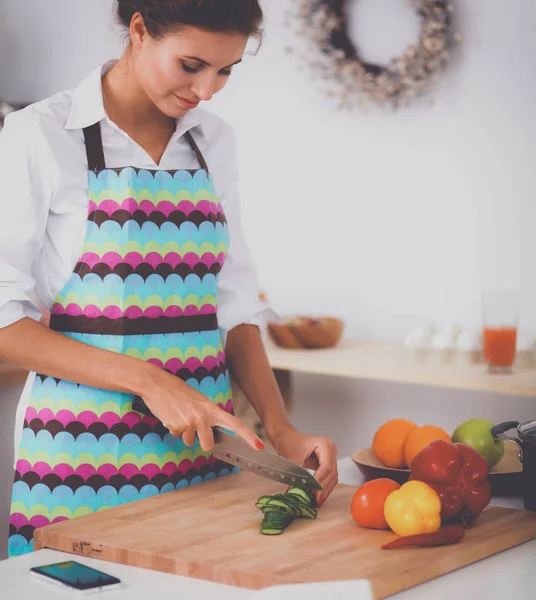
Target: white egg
469	339
419	338
525	341
440	341
452	330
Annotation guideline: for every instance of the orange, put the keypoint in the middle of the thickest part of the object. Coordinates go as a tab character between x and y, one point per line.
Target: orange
389	441
420	437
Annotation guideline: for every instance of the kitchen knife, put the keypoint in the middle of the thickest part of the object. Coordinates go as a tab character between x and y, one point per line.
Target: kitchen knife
236	451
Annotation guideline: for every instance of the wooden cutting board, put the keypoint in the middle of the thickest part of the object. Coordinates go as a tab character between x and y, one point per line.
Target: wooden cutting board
212	532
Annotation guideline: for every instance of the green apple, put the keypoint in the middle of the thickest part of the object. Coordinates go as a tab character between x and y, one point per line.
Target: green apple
477	434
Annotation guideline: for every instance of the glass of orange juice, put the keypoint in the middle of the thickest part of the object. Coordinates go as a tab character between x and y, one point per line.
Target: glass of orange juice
500	321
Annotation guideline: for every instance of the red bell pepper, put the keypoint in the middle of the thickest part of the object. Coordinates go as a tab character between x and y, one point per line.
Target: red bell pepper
459	474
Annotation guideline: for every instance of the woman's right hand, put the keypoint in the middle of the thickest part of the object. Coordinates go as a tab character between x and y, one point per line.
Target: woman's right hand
185	412
182	409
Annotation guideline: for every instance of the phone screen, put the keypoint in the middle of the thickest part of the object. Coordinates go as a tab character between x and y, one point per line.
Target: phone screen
76	575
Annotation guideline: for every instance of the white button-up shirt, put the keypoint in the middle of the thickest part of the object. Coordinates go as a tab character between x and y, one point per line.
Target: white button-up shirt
44	200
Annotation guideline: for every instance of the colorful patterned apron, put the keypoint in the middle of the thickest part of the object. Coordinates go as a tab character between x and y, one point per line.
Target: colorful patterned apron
145	286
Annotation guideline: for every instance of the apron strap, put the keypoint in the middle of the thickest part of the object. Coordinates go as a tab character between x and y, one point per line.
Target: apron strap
196	150
94	151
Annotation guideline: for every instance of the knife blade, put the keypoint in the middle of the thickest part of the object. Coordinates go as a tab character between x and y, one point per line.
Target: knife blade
235	451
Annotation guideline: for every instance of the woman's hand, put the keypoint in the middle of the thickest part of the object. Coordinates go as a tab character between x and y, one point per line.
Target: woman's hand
311	452
186	412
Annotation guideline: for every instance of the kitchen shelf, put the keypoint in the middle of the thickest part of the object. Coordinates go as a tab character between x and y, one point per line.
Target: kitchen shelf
380	361
389	361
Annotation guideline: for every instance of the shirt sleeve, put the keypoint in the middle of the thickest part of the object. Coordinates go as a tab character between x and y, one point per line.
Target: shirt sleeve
23	215
238	286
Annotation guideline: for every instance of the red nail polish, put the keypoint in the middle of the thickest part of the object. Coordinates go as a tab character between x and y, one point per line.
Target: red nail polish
260	445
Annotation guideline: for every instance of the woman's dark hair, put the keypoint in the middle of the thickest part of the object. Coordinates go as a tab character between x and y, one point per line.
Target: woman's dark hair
222	16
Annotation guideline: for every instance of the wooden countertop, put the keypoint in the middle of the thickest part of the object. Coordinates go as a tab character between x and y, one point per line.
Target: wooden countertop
391	361
211	532
140	584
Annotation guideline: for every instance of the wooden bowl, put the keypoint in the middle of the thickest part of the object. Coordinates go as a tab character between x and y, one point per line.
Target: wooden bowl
505	476
306	332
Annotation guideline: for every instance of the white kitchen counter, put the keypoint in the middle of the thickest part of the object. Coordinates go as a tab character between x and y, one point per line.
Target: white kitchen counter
508	574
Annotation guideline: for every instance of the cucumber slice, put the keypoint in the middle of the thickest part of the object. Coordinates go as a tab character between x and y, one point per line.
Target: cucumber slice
271	531
288	498
309	512
273	525
278	517
267	508
292	501
299	498
275	522
304	510
280	510
277	514
283	505
270	507
300	492
293	505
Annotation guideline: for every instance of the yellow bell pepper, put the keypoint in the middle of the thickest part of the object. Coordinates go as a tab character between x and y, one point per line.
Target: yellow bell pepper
414	508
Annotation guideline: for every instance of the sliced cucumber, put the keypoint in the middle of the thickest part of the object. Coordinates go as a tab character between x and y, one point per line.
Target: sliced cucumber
282	505
303	507
278	518
307	512
280	510
268	508
275	522
273	516
271	531
308	497
291	501
263	500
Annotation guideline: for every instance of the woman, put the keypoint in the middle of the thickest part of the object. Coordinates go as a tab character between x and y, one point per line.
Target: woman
150	286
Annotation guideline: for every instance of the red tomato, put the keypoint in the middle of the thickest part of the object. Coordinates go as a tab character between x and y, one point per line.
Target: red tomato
369	500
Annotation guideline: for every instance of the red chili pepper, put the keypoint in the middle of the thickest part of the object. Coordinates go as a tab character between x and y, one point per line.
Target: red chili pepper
446	535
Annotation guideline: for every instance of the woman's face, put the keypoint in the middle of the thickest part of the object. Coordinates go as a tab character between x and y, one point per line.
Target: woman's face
185	67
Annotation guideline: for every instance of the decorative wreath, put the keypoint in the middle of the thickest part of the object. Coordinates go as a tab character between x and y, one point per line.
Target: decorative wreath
407	76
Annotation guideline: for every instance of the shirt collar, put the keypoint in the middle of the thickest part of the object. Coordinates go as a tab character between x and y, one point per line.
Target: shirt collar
87	107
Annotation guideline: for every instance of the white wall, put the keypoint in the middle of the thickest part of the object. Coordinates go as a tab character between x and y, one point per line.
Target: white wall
49	46
386	219
389	219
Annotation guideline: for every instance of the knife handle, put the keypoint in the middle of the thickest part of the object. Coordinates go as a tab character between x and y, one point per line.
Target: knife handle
139	406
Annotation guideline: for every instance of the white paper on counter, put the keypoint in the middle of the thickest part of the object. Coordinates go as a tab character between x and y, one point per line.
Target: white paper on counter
358	589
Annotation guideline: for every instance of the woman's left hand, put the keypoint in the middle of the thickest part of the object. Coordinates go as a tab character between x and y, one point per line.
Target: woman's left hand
311	452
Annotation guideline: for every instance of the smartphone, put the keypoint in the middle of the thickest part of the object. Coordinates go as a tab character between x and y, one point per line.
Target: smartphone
77	577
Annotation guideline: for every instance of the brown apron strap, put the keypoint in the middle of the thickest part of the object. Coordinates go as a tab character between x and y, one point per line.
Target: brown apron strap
94	151
196	150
